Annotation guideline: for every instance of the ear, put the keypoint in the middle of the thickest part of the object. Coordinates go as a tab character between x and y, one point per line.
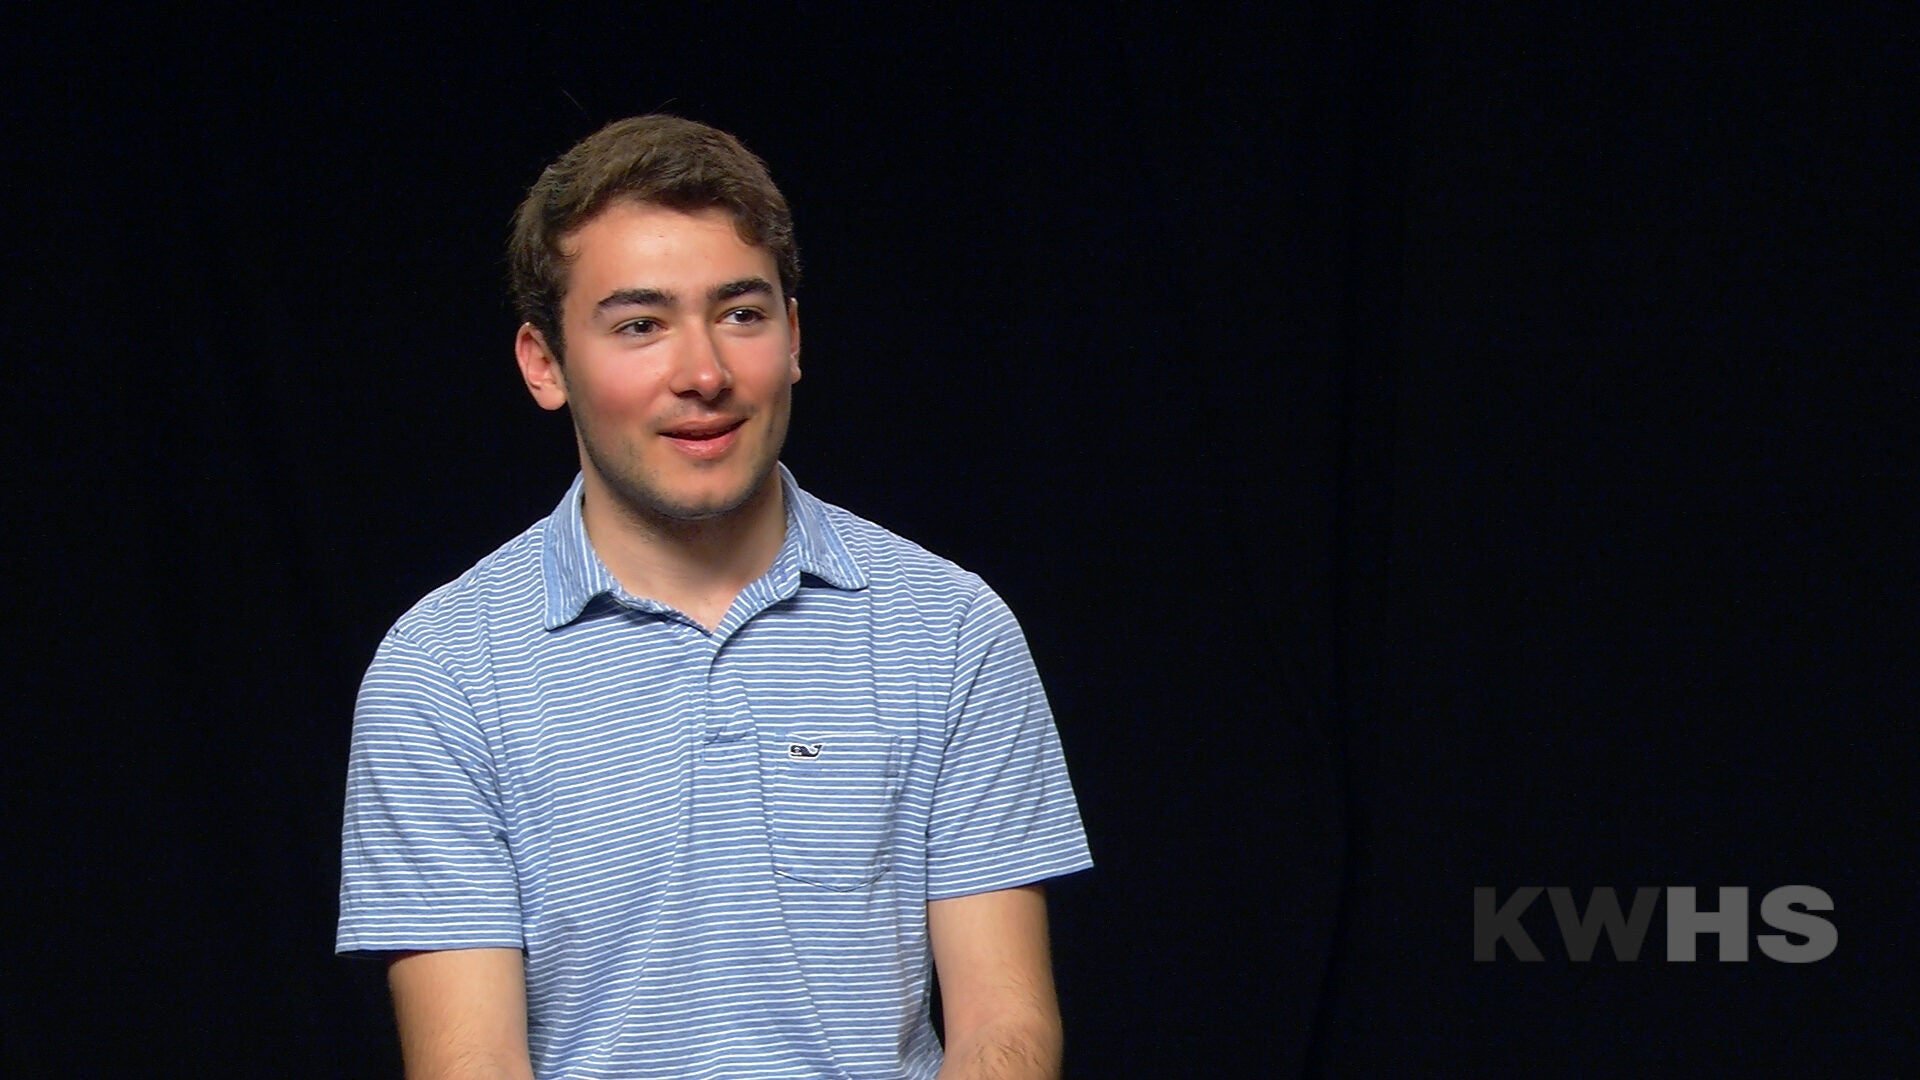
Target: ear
545	379
793	341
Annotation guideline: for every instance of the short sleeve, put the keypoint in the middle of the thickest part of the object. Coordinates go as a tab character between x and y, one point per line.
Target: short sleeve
1003	810
424	856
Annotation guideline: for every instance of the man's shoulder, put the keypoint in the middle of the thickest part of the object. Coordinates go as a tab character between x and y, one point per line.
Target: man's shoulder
505	584
905	580
890	560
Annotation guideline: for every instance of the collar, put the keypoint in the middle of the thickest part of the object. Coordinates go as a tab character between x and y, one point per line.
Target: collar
572	573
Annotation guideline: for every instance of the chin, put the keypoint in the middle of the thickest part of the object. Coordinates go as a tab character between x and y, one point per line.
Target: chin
673	492
689	506
697	511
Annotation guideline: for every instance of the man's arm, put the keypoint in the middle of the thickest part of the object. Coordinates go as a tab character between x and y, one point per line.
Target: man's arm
996	985
462	1014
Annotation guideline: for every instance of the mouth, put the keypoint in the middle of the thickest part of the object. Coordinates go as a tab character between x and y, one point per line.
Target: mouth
703	429
703	439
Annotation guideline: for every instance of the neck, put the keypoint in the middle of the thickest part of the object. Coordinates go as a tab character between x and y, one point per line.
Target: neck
697	566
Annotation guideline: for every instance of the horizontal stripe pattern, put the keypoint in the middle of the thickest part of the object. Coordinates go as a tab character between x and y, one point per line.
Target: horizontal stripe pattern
715	848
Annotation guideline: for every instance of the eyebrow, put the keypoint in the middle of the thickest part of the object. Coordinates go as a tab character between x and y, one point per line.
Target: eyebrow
729	290
635	298
733	290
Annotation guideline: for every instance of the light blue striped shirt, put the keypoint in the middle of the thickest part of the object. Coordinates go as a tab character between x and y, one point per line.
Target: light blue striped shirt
716	849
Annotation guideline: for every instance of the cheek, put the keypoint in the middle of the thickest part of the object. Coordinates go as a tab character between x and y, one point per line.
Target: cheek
770	372
632	396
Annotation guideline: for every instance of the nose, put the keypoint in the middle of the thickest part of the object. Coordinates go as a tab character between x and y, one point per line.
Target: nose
700	369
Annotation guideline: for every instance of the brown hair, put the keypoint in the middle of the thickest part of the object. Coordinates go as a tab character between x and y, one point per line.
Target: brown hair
656	159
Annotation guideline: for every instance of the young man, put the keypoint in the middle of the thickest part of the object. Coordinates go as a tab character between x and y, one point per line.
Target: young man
699	776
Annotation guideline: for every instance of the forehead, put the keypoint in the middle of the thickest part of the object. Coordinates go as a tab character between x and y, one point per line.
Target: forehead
636	244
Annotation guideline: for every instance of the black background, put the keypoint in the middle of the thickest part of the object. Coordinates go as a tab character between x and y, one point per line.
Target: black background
1426	451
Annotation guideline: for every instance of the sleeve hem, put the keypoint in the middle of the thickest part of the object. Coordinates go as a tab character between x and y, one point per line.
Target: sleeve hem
1011	878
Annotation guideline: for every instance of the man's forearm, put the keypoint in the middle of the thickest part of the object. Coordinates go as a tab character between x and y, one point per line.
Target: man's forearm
996	985
1024	1048
473	1067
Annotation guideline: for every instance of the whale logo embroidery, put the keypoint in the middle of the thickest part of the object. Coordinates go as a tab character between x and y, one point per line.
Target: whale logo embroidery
804	751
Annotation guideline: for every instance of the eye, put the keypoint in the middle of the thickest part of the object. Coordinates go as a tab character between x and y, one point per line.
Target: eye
745	316
637	327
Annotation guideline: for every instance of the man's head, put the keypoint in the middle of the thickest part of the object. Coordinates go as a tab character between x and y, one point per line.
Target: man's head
659	256
657	160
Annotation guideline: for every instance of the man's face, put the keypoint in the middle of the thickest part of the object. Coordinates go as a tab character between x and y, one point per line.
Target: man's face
680	357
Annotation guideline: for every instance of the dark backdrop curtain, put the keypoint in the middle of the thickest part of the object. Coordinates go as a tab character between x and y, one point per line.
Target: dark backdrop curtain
1425	451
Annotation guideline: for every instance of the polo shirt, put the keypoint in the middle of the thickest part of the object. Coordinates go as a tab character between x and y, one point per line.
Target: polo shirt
715	849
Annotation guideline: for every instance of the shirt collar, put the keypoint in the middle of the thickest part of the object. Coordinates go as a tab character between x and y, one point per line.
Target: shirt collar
572	573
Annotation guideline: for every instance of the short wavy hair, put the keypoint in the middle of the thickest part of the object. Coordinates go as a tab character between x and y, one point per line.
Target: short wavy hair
657	159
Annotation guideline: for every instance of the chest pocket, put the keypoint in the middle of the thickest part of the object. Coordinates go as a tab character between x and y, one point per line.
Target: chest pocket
832	805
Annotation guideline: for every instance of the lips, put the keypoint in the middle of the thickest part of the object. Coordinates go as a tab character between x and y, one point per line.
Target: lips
708	429
703	439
